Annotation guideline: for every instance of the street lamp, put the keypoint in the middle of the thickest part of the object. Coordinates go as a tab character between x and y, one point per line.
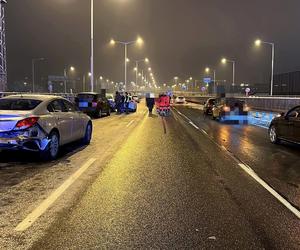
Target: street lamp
34	60
71	68
208	70
139	41
146	60
258	43
224	61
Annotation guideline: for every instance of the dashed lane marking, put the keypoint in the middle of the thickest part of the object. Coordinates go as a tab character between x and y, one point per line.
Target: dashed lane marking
252	174
42	208
130	123
194	125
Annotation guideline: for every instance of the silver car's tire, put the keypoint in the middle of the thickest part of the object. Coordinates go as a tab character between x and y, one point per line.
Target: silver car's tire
88	134
273	135
52	150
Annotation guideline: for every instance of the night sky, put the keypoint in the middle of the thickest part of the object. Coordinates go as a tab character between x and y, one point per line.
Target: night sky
182	37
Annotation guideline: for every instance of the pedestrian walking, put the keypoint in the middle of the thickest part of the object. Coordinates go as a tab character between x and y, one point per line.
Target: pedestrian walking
150	102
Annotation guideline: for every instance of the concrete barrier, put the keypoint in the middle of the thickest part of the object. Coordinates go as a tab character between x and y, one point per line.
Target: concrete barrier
273	104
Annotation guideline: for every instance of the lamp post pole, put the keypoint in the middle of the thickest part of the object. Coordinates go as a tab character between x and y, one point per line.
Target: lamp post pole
34	60
92	46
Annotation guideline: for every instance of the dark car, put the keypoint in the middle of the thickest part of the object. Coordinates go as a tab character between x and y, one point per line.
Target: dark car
230	109
286	127
93	104
208	106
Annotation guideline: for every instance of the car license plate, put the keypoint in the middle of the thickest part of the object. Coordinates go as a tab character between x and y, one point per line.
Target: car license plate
83	104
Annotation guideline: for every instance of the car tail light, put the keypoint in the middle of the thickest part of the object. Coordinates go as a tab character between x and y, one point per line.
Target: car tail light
226	109
94	104
27	123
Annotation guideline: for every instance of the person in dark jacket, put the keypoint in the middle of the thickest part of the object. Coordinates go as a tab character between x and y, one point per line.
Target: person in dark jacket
150	102
118	101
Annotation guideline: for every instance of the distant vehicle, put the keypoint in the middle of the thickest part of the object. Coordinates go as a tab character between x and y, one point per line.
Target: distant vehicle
111	101
41	123
208	106
286	127
93	104
136	98
229	109
180	100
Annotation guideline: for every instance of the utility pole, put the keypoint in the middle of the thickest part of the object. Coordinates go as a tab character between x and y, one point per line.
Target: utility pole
3	64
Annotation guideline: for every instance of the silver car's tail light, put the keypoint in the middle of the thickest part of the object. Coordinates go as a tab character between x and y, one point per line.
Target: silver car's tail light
26	123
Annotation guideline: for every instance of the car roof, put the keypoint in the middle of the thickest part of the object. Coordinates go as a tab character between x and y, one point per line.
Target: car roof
33	96
88	93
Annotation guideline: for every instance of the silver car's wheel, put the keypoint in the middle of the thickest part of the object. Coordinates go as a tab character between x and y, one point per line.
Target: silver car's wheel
51	152
273	135
88	134
54	145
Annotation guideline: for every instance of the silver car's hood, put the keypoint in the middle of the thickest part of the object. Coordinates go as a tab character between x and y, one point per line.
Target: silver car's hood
9	119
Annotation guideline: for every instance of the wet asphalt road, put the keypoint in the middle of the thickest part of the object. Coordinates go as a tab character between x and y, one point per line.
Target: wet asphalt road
169	186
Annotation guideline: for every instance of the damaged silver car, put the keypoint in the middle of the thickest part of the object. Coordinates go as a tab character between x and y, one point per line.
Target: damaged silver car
41	123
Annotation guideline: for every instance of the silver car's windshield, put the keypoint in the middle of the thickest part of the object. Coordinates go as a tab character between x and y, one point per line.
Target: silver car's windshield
18	104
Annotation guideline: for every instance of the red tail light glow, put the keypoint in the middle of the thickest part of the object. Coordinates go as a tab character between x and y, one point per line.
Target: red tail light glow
27	123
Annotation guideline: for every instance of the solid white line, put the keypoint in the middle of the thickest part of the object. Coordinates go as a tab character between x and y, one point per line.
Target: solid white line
129	124
42	208
194	125
204	131
282	200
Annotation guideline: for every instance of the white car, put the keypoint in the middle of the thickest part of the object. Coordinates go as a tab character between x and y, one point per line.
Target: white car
41	123
180	100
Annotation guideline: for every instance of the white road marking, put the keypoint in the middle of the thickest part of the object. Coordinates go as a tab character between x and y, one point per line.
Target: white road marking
204	131
194	125
282	200
252	174
129	124
42	208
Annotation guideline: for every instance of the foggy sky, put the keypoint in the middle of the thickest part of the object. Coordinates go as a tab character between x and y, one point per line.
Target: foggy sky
182	37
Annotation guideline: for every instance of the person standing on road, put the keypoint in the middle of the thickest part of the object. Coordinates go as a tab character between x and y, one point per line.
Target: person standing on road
118	101
126	102
150	101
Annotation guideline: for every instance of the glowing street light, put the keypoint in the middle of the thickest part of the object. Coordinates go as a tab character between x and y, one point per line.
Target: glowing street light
138	41
208	70
225	61
258	43
72	69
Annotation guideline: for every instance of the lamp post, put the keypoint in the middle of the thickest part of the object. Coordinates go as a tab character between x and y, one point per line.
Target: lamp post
258	43
208	70
92	46
34	60
126	44
71	68
146	60
224	61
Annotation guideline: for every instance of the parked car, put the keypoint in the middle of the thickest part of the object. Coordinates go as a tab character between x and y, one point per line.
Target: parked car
208	106
93	104
180	100
229	109
111	101
41	123
286	127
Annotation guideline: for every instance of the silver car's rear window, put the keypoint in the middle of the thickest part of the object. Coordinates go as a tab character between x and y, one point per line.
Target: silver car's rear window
18	104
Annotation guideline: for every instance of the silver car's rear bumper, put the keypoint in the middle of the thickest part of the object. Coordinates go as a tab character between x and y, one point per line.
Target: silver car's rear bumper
33	139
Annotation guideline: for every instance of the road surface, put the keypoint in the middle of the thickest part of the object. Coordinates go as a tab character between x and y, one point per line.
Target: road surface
151	182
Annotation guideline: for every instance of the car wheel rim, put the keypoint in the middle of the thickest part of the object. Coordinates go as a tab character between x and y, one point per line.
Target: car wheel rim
54	144
89	132
273	134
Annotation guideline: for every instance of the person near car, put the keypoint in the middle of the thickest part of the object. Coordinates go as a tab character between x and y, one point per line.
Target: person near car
118	101
126	102
150	101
